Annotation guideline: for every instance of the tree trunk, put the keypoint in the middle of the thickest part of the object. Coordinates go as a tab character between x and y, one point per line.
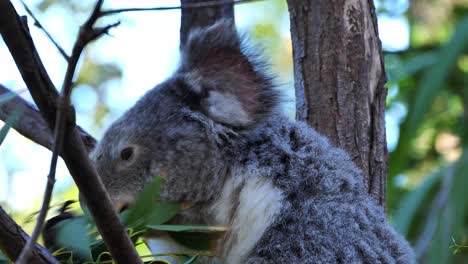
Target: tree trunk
201	17
339	80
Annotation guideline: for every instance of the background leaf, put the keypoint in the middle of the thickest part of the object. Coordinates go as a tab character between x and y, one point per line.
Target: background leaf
73	235
430	85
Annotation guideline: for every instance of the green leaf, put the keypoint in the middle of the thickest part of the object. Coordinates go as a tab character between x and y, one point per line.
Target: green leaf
148	209
73	235
157	261
162	212
191	260
100	252
419	62
13	118
3	258
412	202
185	228
193	237
399	69
141	210
432	82
449	221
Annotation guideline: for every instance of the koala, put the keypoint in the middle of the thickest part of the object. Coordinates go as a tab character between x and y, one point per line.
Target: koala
215	132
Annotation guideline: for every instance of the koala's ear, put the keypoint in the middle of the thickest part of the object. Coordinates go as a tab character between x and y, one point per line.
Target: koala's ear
205	44
232	87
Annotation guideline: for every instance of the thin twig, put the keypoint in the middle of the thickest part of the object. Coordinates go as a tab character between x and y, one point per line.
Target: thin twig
185	6
58	139
22	48
86	35
38	24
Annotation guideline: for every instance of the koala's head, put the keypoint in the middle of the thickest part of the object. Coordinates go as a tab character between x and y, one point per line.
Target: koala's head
181	129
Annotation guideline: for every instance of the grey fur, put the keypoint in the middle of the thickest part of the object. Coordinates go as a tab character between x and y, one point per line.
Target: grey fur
325	214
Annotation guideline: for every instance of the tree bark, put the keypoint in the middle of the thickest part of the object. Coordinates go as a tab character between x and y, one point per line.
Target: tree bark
339	80
201	17
31	124
13	238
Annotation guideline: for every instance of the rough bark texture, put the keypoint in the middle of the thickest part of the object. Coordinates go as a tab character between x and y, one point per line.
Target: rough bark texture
339	80
200	17
13	238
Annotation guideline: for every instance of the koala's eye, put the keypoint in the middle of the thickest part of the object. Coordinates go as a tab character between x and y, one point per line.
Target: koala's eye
126	153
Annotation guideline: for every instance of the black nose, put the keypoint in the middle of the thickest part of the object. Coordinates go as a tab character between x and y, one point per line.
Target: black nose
124	207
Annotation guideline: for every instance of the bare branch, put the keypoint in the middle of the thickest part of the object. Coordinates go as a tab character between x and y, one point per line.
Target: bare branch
86	35
185	6
31	124
28	248
38	24
75	155
13	238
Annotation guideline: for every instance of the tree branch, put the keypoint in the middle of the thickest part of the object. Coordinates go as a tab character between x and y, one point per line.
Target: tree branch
13	238
86	35
31	124
21	46
183	6
38	24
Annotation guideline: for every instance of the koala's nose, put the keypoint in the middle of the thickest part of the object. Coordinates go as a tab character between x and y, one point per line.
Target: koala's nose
121	206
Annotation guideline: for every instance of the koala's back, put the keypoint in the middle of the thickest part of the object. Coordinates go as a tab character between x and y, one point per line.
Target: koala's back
326	215
341	229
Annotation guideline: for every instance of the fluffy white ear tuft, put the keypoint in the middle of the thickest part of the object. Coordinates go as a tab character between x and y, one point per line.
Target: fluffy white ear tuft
226	108
224	81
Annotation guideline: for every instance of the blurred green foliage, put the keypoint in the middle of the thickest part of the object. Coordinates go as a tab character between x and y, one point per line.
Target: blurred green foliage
428	177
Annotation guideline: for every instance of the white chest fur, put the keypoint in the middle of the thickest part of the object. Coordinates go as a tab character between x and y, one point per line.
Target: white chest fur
248	207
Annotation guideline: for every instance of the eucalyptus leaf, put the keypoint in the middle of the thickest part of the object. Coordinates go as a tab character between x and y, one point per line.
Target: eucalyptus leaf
13	118
148	209
73	235
157	261
162	212
188	228
411	202
193	237
141	210
3	258
191	260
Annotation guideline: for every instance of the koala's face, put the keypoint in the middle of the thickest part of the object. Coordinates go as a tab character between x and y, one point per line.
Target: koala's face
159	136
181	129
